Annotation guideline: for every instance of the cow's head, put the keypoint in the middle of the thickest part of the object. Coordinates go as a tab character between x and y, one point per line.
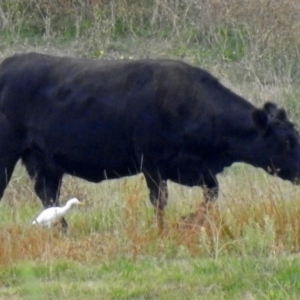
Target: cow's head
278	143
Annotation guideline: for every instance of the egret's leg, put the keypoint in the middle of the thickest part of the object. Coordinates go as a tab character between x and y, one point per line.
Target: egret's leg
47	187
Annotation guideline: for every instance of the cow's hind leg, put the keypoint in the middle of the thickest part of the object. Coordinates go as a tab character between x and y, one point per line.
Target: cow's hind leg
47	180
7	165
158	196
47	187
10	150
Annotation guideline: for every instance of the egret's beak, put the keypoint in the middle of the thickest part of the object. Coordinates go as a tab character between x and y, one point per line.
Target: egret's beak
81	204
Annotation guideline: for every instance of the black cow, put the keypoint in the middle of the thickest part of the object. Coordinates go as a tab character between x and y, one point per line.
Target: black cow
107	119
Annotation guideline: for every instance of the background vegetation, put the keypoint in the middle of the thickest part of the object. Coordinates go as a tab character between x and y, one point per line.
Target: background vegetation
112	250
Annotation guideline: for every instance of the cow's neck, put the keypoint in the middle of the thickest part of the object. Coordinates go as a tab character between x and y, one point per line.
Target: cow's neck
234	132
242	142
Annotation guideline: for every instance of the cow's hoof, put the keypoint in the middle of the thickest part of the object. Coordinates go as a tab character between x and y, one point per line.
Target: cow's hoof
194	220
62	226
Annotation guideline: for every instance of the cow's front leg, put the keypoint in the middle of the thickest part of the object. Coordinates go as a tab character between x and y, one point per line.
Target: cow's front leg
211	193
208	206
159	197
209	213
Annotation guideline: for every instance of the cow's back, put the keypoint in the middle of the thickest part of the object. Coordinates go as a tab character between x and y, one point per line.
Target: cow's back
88	116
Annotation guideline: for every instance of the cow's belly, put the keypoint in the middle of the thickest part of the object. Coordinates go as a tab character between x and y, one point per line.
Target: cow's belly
92	154
97	170
98	161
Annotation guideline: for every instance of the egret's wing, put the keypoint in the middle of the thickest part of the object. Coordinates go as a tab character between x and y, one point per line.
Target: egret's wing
46	216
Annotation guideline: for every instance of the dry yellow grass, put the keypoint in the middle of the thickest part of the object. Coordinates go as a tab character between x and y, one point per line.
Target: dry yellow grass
257	214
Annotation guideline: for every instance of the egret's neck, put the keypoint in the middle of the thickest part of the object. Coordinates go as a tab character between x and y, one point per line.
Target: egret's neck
66	208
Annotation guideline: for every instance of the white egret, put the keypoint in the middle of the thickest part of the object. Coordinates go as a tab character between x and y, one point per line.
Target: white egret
51	215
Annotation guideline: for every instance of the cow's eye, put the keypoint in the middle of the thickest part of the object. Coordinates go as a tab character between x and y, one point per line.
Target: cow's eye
290	143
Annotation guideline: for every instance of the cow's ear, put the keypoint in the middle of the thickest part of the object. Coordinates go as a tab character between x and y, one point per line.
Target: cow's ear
260	118
281	115
270	108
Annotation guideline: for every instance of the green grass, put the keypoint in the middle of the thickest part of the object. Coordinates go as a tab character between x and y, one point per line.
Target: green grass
155	278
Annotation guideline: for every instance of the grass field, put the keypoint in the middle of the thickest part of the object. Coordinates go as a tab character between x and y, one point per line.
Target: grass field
113	250
249	248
